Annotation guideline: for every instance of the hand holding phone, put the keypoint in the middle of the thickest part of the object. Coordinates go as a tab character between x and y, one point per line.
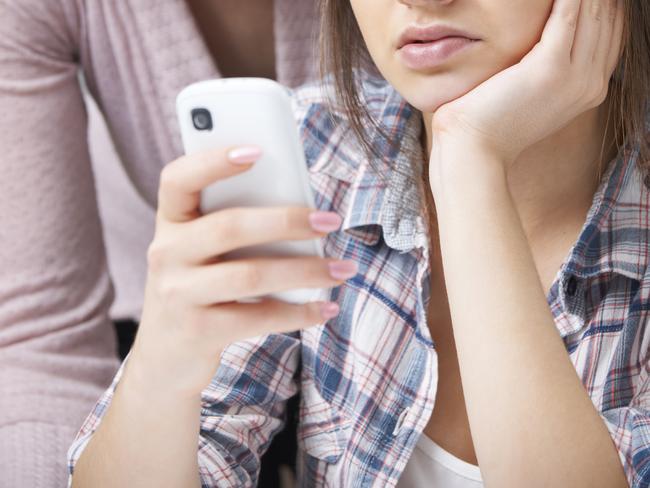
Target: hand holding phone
192	308
252	111
201	269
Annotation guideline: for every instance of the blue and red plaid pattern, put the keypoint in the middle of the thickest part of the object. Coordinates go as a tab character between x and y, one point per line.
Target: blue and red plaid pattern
368	377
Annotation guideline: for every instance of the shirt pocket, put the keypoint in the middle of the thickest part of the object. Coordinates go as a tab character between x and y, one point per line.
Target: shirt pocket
323	430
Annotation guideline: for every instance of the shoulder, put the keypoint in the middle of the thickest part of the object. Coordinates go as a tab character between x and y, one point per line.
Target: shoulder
46	27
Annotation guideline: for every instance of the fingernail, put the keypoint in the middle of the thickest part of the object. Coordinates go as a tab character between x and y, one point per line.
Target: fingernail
324	221
342	270
244	154
329	310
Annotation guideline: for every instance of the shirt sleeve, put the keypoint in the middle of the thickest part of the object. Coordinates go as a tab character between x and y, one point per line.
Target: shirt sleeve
629	428
242	408
57	346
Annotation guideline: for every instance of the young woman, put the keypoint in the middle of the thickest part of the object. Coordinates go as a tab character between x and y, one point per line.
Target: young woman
511	351
57	342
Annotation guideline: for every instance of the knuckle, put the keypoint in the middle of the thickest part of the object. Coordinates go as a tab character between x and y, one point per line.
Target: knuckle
311	271
597	92
249	276
596	10
601	101
284	220
611	9
166	176
446	118
169	179
288	220
157	256
229	219
602	96
571	18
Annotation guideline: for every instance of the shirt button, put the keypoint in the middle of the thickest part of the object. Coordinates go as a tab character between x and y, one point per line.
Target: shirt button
400	421
571	286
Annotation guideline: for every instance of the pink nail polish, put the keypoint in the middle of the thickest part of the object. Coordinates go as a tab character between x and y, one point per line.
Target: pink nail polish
324	221
244	154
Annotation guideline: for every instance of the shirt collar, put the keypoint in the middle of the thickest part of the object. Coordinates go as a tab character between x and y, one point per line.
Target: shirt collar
389	206
615	235
614	238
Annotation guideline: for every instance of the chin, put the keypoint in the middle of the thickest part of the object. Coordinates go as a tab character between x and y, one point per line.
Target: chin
428	92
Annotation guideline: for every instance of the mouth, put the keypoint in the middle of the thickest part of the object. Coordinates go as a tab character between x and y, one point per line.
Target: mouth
424	48
416	34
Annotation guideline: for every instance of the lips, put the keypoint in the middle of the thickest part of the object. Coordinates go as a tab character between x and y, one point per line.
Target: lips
424	48
416	34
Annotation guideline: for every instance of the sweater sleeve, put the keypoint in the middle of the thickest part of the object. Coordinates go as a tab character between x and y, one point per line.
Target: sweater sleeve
57	346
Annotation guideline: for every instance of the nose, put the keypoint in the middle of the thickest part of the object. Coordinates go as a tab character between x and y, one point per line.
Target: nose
415	3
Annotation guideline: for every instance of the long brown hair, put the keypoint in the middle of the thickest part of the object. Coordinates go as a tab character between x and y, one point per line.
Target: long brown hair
343	51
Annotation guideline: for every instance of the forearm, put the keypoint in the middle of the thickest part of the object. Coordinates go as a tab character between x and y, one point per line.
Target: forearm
532	422
148	437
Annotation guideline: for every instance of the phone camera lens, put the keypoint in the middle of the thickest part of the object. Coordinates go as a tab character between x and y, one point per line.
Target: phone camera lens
202	119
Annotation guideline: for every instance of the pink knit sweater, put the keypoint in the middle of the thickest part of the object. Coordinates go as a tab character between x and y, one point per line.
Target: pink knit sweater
57	346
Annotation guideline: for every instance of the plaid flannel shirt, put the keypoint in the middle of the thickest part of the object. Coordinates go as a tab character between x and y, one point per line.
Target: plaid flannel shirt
368	377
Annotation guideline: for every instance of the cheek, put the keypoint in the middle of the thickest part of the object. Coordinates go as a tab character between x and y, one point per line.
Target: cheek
519	28
372	18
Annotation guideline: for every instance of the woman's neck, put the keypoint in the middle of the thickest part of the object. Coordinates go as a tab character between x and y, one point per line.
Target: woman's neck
553	182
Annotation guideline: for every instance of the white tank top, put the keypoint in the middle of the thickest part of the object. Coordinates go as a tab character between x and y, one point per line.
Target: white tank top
431	466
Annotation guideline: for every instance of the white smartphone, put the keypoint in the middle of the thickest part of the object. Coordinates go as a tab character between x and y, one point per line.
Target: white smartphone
241	111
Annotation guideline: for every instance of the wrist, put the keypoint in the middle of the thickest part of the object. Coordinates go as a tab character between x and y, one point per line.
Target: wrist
181	380
456	172
137	393
451	132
